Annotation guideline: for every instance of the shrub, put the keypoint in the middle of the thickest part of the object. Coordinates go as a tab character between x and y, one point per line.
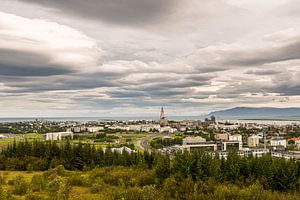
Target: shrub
59	188
53	173
2	179
76	180
96	188
21	186
38	183
5	195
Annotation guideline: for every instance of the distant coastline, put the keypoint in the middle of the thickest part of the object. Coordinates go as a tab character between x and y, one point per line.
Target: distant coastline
271	119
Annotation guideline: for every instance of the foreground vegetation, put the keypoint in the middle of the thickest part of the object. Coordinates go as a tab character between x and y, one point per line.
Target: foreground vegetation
129	183
85	172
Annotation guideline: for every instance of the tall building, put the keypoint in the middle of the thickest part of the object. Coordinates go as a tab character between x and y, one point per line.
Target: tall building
162	120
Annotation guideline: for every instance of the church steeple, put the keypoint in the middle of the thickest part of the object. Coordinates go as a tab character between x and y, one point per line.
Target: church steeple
163	121
162	113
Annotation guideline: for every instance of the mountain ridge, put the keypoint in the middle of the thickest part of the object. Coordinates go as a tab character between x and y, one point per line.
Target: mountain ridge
258	113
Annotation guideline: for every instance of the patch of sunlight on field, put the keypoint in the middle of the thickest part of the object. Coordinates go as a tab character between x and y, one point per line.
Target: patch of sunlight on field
19	137
10	175
133	135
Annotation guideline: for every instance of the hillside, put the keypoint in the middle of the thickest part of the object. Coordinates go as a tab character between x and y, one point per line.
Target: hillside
258	113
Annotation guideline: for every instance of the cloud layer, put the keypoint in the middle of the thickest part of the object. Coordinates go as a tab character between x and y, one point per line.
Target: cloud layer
129	57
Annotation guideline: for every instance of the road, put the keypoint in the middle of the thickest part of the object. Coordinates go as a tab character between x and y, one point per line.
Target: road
143	142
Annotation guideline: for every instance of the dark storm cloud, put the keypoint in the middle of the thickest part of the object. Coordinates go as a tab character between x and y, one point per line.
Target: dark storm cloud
263	56
21	63
115	11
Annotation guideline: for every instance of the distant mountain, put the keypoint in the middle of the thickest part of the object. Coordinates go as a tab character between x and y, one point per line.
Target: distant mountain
258	113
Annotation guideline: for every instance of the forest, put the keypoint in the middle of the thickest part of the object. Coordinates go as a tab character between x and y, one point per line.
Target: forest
111	175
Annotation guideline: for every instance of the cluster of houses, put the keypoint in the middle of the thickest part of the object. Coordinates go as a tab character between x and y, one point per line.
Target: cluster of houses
256	146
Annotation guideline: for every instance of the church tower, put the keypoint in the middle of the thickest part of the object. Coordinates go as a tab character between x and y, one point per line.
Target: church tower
162	113
162	120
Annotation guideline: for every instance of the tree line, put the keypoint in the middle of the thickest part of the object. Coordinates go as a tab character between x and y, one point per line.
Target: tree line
272	173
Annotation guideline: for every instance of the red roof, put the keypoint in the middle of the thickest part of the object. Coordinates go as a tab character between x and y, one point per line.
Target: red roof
295	139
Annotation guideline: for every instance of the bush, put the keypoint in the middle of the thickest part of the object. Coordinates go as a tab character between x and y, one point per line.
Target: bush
59	188
2	179
53	173
21	186
38	183
5	195
96	188
76	180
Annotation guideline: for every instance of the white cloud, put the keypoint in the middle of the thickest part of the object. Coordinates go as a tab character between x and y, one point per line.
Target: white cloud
61	44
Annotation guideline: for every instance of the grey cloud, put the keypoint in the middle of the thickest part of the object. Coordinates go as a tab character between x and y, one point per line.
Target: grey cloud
263	72
263	56
57	83
284	84
290	8
115	11
20	63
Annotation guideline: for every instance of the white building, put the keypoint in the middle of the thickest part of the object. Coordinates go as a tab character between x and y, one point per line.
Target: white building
297	144
194	143
58	135
255	152
287	155
3	136
236	137
232	145
279	142
167	129
193	140
94	129
253	141
78	129
227	127
222	136
150	127
123	149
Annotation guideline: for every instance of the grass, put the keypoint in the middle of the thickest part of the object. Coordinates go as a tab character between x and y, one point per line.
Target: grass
122	139
10	175
20	137
130	136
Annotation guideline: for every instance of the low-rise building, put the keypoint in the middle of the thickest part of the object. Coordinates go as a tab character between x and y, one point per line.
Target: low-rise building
59	135
287	155
193	140
297	144
3	136
231	146
167	129
255	152
278	142
222	136
235	137
94	129
253	140
198	143
123	149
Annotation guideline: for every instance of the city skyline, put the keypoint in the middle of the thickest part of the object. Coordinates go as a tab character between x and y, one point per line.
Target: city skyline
103	58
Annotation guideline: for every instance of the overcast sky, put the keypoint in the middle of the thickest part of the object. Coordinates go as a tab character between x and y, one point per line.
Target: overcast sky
130	57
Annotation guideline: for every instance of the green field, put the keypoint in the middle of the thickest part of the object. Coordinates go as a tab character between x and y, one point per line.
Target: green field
122	138
19	137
